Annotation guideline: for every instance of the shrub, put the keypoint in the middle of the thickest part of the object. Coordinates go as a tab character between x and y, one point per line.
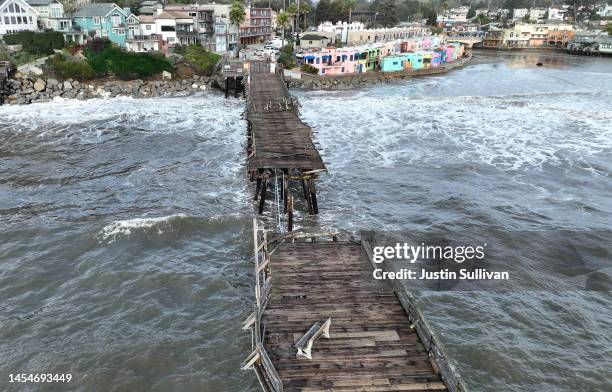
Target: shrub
39	43
80	70
309	69
202	60
98	44
126	65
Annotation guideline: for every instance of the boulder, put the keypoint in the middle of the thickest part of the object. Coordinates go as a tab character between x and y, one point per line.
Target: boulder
39	85
51	83
30	69
67	85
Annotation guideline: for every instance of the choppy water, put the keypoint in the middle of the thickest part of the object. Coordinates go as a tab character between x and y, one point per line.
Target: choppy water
125	224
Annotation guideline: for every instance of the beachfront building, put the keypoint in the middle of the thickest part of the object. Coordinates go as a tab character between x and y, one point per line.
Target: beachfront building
257	26
51	16
389	56
47	10
142	36
524	35
200	27
17	15
103	20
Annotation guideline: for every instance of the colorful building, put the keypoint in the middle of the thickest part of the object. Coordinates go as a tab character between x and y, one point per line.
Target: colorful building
390	56
104	20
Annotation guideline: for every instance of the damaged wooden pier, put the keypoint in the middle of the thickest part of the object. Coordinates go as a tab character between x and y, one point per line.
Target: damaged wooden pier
280	147
321	322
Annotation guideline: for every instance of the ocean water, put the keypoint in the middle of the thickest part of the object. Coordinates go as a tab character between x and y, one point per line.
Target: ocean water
125	251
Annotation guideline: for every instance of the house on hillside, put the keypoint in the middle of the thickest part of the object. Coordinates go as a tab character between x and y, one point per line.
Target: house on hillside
47	10
142	35
103	20
313	40
17	15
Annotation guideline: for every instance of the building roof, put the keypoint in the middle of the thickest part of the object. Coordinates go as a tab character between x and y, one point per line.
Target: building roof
97	9
146	18
40	2
164	15
313	37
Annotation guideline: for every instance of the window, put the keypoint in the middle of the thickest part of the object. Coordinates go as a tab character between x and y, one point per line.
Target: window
121	31
96	20
148	27
6	20
167	28
115	19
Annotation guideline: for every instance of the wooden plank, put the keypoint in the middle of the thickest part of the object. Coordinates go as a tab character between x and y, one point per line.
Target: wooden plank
371	348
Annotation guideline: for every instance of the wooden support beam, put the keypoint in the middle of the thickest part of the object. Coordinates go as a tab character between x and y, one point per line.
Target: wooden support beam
262	197
257	188
226	87
306	186
285	193
290	214
313	197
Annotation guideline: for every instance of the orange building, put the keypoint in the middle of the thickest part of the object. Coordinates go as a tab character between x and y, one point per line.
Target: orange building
559	38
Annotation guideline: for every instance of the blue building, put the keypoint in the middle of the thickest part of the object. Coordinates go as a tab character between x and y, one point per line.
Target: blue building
104	20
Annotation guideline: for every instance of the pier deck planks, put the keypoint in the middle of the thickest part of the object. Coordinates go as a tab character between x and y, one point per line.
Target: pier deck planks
371	348
281	140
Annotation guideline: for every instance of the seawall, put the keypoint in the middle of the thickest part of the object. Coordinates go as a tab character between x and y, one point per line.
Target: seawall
338	82
25	89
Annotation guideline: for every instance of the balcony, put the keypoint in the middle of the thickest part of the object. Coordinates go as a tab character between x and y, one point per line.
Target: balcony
141	38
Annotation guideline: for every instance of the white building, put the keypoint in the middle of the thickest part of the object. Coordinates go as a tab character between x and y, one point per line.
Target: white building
47	11
165	25
536	14
519	14
605	11
17	15
340	30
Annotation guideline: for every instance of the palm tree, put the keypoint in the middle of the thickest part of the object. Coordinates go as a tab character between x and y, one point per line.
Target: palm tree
282	19
237	17
292	12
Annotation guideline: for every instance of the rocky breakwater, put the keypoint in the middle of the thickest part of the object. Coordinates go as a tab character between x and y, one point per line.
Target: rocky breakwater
24	89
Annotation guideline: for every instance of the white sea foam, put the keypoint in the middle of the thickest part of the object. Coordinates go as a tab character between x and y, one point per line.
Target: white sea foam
158	225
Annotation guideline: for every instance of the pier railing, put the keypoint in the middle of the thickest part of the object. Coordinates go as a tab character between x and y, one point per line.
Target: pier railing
436	353
259	359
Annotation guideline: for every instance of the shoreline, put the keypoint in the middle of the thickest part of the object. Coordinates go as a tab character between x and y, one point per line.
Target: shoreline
349	81
26	89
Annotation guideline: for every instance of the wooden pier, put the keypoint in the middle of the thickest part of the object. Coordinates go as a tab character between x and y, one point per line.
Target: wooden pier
362	334
280	147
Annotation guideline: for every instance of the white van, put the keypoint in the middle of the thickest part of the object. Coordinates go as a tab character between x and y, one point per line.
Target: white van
274	44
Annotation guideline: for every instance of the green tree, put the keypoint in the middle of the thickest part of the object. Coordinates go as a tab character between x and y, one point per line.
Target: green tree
471	13
237	17
432	17
387	12
282	19
608	28
483	19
